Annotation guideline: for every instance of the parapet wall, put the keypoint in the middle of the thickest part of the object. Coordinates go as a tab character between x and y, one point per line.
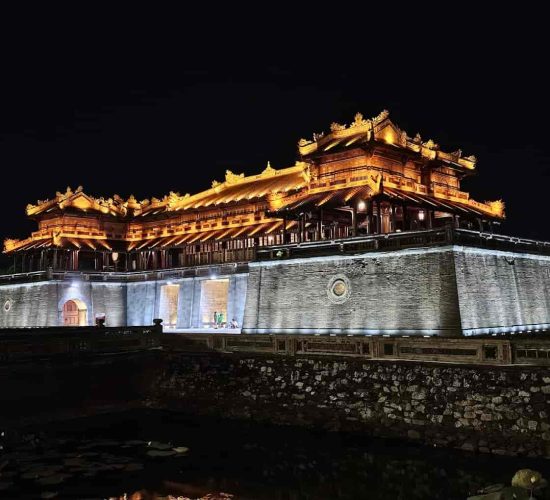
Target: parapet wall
428	291
41	303
402	292
496	410
446	291
502	291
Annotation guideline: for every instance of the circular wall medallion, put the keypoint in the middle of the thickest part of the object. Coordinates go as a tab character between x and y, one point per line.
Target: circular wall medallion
7	305
338	289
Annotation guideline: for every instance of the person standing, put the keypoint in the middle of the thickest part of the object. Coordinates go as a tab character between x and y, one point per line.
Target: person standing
215	319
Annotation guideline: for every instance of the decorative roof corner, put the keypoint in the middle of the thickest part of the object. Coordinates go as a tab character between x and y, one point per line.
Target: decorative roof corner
497	208
231	178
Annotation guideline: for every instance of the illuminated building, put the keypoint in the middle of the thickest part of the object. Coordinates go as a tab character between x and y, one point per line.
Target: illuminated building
366	178
369	232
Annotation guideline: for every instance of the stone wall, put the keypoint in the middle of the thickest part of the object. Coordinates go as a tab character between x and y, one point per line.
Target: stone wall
41	304
427	291
399	292
496	410
29	304
502	291
134	304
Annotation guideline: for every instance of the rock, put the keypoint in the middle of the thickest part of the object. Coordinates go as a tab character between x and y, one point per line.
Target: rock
48	494
419	395
468	446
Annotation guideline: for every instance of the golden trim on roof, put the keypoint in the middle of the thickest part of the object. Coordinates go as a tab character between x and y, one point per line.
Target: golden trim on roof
240	200
384	131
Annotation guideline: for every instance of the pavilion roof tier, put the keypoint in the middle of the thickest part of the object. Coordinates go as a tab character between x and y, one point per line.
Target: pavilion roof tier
238	188
328	199
452	201
68	242
380	129
78	201
469	207
11	246
197	237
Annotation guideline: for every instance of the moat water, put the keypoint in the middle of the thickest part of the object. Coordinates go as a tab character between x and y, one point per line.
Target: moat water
153	454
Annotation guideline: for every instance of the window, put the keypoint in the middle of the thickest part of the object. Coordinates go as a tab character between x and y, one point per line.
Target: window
489	352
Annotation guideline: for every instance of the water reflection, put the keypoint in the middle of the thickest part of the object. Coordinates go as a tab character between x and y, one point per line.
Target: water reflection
144	453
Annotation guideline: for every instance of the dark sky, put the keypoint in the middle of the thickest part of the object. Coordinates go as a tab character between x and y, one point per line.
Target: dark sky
147	104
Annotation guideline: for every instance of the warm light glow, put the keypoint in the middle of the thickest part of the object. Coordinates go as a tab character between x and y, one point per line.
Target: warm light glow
253	205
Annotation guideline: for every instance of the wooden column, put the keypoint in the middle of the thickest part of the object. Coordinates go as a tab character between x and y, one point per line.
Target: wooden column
392	217
353	221
405	217
284	229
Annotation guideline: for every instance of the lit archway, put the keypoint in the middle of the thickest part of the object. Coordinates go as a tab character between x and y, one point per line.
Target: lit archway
168	309
75	313
213	309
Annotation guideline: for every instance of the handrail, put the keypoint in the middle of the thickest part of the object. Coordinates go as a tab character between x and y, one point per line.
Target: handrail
197	266
483	350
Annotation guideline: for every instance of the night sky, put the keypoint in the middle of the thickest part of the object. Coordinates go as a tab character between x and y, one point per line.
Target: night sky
144	105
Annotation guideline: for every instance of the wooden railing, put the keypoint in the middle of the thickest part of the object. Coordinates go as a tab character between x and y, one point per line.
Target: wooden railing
232	261
406	239
505	350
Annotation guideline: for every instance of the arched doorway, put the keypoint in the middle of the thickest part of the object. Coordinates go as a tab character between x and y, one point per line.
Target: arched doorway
75	313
